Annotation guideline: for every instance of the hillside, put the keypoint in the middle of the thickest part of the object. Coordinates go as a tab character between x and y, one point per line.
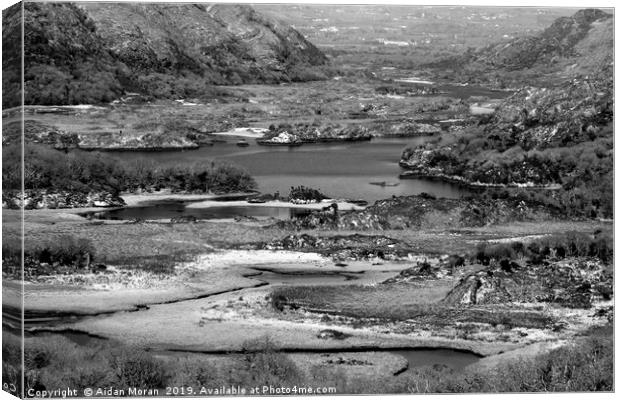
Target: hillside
555	133
92	53
581	44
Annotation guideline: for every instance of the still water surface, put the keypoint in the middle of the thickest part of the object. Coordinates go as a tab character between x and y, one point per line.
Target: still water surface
340	170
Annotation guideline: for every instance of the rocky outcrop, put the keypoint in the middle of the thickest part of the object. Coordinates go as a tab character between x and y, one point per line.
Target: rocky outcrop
37	199
119	141
407	90
536	118
479	288
445	163
572	282
287	134
351	247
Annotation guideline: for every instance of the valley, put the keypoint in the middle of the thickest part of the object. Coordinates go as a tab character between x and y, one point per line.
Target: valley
293	204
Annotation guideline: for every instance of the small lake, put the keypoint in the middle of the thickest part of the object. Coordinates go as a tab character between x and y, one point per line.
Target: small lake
428	357
173	209
340	170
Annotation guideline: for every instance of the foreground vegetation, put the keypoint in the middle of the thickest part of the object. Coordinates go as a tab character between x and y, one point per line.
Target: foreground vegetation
583	366
54	361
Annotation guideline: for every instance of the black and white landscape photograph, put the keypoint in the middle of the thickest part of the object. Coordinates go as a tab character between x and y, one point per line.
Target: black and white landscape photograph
236	199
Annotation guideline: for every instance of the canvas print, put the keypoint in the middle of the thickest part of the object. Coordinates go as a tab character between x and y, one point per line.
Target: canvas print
204	199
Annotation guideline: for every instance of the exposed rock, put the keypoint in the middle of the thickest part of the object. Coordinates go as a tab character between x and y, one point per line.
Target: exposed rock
287	134
407	90
479	288
575	282
183	219
115	141
352	247
332	334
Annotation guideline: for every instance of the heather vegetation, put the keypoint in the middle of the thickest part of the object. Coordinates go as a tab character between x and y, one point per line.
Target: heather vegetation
53	361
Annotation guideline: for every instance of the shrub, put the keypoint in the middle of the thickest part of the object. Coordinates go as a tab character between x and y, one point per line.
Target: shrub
265	366
163	265
66	250
132	367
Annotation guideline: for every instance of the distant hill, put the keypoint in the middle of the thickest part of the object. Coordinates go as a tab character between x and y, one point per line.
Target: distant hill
581	44
93	52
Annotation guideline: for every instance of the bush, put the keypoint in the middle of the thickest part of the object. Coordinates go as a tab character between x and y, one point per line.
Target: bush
132	367
66	250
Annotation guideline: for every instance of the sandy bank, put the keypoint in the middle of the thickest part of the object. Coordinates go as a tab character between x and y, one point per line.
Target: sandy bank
134	199
253	133
342	205
182	327
213	273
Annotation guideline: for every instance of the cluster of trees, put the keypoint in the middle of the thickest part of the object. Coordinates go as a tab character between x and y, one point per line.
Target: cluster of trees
78	171
306	194
65	251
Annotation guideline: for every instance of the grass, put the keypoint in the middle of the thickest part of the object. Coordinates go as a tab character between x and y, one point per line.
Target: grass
126	243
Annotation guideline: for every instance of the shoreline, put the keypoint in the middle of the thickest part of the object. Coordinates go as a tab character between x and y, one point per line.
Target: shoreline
409	174
135	199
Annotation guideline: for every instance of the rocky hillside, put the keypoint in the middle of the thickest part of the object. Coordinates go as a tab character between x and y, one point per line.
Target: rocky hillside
555	132
91	53
581	44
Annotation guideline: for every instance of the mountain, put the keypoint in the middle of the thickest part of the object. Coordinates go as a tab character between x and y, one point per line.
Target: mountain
224	42
93	52
579	45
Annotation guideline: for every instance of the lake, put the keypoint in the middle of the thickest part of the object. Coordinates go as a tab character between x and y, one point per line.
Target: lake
340	170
